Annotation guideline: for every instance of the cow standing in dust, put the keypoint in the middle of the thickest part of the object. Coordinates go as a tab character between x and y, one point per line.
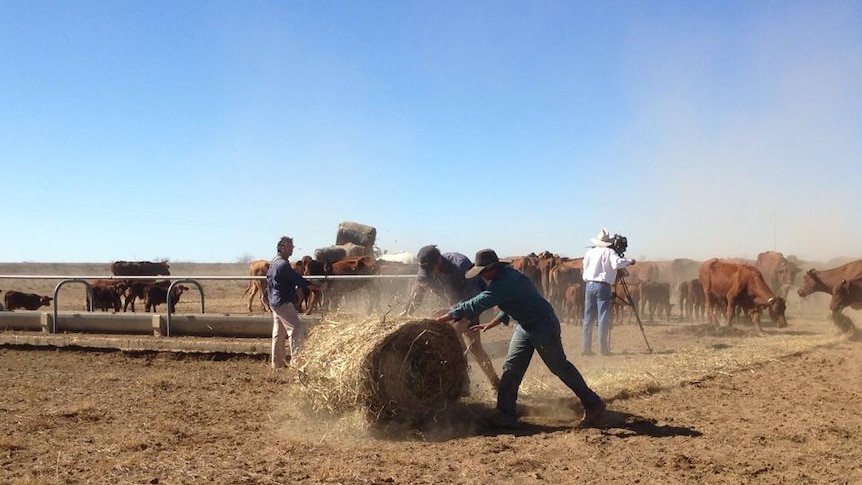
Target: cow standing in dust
741	286
256	285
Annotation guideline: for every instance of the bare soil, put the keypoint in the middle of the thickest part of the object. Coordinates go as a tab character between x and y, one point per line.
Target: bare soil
707	405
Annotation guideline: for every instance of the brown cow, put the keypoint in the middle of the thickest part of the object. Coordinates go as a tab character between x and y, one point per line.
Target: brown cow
529	265
258	286
825	280
847	293
656	295
695	304
106	295
337	289
28	301
567	272
741	286
778	271
140	268
157	294
573	304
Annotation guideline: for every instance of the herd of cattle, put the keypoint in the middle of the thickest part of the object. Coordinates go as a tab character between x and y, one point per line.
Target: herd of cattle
699	290
114	294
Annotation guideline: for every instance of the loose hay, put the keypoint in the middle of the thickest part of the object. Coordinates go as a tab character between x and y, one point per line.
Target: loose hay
404	371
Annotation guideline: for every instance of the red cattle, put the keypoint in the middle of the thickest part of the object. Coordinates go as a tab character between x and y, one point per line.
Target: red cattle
656	296
546	262
847	293
28	301
337	289
529	265
258	286
157	294
825	280
778	271
696	305
562	275
573	304
106	295
741	286
140	268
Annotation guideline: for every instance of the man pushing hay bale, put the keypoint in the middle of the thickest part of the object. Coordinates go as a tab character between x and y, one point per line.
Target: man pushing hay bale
402	371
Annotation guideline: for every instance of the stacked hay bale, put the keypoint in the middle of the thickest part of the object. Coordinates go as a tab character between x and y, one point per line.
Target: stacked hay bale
403	371
352	240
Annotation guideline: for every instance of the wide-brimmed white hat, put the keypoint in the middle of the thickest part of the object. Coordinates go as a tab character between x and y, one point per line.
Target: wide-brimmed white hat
603	239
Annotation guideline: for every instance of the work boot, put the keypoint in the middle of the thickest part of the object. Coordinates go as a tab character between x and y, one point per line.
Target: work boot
592	414
503	420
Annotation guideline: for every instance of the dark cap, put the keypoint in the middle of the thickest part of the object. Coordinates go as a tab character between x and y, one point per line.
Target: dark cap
484	260
428	256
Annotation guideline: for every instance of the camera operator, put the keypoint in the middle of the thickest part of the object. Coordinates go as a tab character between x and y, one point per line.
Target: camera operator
601	263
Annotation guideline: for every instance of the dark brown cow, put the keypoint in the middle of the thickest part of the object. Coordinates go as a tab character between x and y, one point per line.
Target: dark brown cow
337	289
847	293
157	294
825	280
656	294
310	300
546	262
778	272
140	268
695	304
28	301
106	295
562	275
741	286
258	286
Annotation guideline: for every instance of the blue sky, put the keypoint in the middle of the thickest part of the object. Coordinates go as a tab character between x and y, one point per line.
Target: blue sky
205	130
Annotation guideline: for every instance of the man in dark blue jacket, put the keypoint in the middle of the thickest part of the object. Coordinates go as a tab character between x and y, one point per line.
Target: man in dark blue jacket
281	284
537	330
444	275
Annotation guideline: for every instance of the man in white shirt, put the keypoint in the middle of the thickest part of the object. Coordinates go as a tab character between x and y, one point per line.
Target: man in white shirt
601	263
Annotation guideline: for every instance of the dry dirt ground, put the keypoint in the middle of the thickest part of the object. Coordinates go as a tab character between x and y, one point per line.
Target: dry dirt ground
706	406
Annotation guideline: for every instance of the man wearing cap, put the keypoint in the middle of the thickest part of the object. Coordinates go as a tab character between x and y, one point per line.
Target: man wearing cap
601	263
537	330
444	275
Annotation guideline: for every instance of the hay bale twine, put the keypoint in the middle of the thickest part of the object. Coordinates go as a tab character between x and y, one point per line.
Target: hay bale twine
403	371
359	234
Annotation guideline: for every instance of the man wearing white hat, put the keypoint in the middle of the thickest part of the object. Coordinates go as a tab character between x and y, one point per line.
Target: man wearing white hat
601	263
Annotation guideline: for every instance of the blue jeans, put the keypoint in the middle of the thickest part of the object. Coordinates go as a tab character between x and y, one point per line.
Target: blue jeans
597	296
543	337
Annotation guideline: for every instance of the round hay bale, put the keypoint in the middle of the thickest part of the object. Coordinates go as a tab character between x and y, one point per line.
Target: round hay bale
404	371
330	254
359	234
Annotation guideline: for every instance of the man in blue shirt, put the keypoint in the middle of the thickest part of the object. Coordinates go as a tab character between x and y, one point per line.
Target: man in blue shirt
537	330
444	275
281	283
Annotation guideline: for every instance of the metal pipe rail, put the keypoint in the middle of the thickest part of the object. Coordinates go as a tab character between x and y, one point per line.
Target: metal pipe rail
85	280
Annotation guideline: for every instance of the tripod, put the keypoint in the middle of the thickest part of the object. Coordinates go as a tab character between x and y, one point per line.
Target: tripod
630	302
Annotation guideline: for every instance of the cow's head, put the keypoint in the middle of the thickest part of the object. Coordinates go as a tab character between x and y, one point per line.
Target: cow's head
810	283
45	300
840	296
776	306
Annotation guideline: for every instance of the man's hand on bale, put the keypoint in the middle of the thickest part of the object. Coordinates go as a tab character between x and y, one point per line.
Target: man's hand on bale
444	318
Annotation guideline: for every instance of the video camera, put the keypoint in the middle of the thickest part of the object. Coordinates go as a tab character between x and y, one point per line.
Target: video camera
619	244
